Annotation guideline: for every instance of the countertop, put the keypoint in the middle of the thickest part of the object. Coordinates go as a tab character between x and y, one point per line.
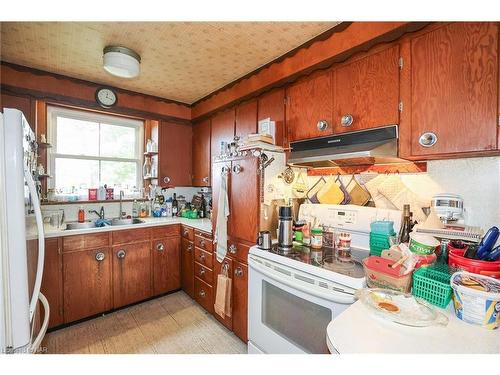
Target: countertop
204	225
357	330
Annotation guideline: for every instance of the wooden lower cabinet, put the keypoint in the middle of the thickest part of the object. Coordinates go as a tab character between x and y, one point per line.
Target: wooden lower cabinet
131	273
166	263
87	283
204	294
52	281
228	262
240	300
187	266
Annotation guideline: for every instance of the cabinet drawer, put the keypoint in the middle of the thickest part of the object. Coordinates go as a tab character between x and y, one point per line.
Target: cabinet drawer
238	250
203	257
203	294
203	273
200	233
203	243
131	235
187	233
165	231
85	241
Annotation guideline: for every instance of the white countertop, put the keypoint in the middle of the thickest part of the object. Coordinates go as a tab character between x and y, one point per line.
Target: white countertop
357	330
204	225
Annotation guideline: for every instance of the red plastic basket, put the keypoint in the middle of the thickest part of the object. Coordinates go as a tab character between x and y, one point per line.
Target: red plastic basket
456	259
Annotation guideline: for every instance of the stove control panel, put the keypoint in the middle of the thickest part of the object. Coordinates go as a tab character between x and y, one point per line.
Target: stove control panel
342	217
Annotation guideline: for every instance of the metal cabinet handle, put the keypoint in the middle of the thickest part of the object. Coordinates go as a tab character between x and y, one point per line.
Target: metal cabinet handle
205	179
428	139
202	271
121	254
166	179
225	170
186	232
189	248
322	125
202	243
202	293
346	120
160	246
202	257
237	169
238	272
232	249
100	256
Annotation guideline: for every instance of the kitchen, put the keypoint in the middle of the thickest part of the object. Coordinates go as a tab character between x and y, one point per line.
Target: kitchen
318	187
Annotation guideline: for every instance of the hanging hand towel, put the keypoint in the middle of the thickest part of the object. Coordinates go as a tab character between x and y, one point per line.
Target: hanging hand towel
220	237
222	305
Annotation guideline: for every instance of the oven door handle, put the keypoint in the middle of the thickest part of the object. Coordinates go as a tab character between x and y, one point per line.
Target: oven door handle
339	297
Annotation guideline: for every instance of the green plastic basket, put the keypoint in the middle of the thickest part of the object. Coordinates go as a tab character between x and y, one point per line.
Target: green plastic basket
433	285
378	243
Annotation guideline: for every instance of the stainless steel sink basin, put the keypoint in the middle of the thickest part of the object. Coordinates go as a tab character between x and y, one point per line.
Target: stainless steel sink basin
84	225
117	221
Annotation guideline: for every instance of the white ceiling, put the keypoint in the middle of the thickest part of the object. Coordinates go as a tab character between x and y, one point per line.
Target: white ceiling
182	61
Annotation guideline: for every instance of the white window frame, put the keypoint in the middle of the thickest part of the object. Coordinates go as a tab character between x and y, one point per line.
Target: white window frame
53	112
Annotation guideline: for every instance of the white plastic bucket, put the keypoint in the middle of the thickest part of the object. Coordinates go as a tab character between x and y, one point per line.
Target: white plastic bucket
476	299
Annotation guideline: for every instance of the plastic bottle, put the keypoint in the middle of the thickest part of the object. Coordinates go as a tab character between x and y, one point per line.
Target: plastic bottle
135	209
81	215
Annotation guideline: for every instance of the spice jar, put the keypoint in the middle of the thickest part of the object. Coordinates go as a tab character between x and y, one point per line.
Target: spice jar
316	238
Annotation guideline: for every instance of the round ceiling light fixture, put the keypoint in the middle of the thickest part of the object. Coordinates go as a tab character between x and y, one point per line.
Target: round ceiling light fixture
121	61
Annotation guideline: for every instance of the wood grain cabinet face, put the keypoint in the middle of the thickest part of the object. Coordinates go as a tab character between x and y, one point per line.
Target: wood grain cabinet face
217	169
201	153
131	273
87	283
272	105
187	267
174	154
240	300
52	281
454	89
222	130
166	265
246	119
367	89
309	101
227	262
204	294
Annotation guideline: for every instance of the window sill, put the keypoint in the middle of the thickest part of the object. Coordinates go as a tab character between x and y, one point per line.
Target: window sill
53	203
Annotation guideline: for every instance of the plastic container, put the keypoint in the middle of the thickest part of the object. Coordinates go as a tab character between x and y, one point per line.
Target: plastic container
382	227
379	274
423	244
456	259
433	285
316	238
379	242
476	299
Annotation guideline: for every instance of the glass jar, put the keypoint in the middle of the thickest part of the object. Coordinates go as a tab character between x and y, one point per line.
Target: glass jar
316	238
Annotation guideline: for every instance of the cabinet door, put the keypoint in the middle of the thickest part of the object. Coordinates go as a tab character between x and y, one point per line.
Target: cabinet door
21	103
454	89
244	199
175	156
309	101
367	89
228	263
222	130
131	273
217	170
52	283
187	266
166	265
240	300
246	119
272	105
87	283
201	153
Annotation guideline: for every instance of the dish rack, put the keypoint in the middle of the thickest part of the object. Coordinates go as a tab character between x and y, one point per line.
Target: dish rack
433	285
472	234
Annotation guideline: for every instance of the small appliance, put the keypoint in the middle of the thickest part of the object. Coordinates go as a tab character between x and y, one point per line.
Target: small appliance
285	231
449	208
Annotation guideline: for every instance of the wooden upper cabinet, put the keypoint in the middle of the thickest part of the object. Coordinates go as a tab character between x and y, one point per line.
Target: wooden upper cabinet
174	154
131	273
166	265
216	180
272	105
52	281
244	199
366	91
201	153
452	90
246	119
309	101
21	103
222	130
87	283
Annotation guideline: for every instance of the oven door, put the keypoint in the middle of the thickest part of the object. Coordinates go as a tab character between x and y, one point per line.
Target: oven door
283	318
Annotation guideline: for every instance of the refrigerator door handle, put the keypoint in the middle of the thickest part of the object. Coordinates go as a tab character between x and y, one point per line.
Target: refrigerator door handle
43	329
41	241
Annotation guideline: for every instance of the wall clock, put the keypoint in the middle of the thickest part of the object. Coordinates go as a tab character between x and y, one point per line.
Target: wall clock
105	97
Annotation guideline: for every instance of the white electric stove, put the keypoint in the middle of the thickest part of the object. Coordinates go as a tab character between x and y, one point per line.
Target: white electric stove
293	295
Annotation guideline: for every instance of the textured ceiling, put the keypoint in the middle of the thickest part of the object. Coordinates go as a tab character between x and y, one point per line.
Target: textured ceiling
182	61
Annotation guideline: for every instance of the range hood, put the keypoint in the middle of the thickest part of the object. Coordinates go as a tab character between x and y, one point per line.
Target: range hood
365	147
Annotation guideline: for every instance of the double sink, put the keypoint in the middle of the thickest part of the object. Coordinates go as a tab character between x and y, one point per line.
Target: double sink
114	222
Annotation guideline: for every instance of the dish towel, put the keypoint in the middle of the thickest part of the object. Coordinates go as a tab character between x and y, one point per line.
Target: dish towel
220	237
222	305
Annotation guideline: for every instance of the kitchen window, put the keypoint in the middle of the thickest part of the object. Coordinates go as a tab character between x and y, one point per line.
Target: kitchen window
90	150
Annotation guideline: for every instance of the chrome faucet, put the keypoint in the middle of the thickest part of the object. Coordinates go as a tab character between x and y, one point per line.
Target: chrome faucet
120	216
100	213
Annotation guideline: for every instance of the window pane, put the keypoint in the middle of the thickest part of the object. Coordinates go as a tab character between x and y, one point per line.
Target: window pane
118	141
77	173
76	137
119	174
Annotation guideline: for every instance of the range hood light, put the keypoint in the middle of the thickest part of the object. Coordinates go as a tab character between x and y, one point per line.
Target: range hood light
121	62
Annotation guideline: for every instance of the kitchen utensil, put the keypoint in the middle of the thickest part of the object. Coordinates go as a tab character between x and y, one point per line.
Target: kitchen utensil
331	193
288	175
264	240
285	231
347	196
312	194
359	196
494	254
487	242
448	207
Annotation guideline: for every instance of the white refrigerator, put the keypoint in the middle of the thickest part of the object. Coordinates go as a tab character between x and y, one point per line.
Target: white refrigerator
22	247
